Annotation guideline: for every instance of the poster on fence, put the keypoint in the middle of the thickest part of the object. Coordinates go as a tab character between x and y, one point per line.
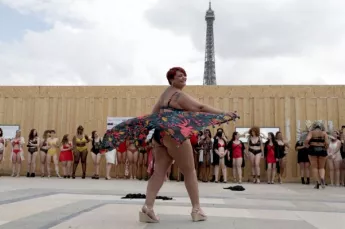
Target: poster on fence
9	131
113	121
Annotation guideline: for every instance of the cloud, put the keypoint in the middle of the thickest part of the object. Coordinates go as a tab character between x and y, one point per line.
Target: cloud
135	42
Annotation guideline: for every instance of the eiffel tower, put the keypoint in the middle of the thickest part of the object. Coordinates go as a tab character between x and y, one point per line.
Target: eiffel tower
210	65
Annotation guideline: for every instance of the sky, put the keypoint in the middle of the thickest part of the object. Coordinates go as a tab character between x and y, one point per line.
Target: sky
135	42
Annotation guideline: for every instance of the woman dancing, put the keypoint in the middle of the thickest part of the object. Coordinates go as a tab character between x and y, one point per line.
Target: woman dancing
175	117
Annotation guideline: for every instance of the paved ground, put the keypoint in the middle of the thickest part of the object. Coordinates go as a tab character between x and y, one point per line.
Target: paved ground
57	203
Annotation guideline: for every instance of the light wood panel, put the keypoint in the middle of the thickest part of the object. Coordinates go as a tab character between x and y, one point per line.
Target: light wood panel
64	108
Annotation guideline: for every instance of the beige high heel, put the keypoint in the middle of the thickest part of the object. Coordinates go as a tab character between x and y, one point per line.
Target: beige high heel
198	215
148	216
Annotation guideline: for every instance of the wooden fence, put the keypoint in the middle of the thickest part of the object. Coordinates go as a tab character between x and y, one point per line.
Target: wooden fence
64	108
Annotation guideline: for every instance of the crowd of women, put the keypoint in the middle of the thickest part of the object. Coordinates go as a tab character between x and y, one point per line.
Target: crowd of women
213	155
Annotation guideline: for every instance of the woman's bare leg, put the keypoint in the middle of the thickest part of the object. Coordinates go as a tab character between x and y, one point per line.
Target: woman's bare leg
135	164
269	173
337	165
224	169
238	164
163	161
43	159
56	164
140	165
33	163
48	162
331	170
29	160
130	159
108	169
257	167
252	163
19	164
64	168
69	168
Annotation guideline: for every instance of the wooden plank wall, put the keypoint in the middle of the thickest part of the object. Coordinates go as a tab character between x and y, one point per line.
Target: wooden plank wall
64	108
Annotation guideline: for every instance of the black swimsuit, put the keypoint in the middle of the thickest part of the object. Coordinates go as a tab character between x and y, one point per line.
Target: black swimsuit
254	151
96	146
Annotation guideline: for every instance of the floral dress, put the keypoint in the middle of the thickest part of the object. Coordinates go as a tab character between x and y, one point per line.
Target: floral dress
179	124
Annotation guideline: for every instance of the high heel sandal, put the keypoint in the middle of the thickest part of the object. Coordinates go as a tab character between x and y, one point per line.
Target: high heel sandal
198	215
147	216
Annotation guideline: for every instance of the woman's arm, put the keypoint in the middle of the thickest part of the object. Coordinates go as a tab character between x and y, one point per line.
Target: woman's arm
188	103
306	141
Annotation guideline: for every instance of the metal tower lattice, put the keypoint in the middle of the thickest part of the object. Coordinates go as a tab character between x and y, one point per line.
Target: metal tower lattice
210	62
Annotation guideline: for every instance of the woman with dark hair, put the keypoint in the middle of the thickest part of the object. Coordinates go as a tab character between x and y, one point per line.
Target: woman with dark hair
95	152
303	161
255	150
206	151
33	144
80	151
317	142
235	154
175	117
3	144
66	156
215	157
271	153
283	146
219	146
44	147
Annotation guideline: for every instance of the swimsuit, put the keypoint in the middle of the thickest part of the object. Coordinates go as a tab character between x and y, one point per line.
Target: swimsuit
254	151
81	144
96	146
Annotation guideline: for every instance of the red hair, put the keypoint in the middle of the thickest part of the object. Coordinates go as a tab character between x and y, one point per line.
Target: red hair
172	72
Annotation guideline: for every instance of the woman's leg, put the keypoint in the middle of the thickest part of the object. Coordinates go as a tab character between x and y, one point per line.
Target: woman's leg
145	166
269	173
14	164
33	164
252	163
183	156
19	163
29	158
274	171
98	162
135	164
64	168
224	169
162	162
337	165
321	168
56	164
83	158
48	161
108	169
69	168
238	164
314	168
94	160
257	167
43	159
76	155
140	165
130	159
302	169
307	172
331	170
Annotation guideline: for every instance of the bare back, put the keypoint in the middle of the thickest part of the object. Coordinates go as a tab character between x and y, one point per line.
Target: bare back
169	99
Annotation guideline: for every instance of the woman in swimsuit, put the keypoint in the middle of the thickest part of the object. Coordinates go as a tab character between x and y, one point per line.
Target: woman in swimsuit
235	154
121	160
43	152
175	117
66	156
53	143
80	151
33	144
132	156
95	152
17	150
317	142
219	146
271	152
255	152
283	147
